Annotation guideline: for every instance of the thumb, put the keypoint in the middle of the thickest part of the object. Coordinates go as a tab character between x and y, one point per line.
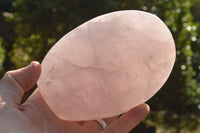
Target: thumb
16	82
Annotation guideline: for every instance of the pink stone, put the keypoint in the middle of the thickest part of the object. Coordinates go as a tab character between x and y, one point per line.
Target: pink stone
107	66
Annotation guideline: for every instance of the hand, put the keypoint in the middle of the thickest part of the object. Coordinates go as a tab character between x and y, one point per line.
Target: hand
34	116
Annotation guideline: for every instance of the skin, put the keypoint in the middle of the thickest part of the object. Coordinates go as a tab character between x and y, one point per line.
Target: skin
34	116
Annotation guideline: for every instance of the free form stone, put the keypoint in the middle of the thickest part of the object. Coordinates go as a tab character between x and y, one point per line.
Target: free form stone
107	66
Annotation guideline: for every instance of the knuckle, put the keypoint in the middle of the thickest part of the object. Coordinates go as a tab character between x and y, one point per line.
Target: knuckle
8	73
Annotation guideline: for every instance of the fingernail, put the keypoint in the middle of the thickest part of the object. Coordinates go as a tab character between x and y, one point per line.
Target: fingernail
146	109
142	109
34	63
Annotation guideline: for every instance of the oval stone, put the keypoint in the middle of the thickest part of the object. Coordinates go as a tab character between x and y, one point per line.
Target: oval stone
107	66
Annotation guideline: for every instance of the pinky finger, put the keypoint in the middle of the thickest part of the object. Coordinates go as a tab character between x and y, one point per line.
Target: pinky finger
129	120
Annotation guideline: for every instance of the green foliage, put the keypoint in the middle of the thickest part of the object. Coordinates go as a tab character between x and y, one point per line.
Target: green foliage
29	28
180	97
2	54
179	100
39	24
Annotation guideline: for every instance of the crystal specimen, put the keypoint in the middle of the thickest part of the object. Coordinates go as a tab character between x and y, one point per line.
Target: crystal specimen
107	65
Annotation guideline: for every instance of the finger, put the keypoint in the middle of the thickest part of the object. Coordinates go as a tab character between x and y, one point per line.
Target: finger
94	126
129	120
111	120
16	82
27	77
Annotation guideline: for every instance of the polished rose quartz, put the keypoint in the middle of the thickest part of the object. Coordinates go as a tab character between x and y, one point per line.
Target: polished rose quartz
107	66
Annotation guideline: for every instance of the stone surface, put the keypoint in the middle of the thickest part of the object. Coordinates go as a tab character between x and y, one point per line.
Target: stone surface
107	65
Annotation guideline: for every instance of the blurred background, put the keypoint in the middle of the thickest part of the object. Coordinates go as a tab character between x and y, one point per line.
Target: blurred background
29	28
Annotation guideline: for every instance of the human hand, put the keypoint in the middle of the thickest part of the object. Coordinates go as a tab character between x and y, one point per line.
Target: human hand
34	116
